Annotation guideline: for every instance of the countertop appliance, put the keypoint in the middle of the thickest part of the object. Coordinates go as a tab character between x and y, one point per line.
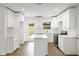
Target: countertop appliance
62	32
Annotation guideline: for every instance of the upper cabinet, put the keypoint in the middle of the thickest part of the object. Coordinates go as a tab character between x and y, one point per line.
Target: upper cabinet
22	18
10	19
68	19
63	20
72	18
54	22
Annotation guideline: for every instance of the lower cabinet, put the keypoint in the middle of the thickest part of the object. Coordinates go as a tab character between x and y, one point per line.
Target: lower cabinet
78	45
11	44
40	47
68	45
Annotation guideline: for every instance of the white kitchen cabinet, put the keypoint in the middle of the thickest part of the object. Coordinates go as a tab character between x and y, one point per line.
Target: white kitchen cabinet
11	44
64	18
22	18
68	44
10	19
13	37
72	18
78	45
9	31
2	31
68	18
61	43
54	22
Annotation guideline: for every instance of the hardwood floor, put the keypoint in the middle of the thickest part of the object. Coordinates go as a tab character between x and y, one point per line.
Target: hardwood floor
53	50
27	49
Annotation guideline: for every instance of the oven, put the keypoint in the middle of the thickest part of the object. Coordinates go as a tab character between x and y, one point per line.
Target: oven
56	40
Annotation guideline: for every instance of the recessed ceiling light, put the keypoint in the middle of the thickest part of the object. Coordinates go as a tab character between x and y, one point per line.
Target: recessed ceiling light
22	9
56	9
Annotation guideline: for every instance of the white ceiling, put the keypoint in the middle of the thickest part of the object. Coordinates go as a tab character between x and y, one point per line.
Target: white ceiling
35	9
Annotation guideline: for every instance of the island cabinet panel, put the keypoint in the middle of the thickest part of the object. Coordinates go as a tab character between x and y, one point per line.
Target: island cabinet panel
41	47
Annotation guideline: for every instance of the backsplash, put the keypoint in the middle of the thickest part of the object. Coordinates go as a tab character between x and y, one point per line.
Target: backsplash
72	32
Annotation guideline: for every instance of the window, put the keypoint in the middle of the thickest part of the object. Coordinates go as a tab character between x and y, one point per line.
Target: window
31	29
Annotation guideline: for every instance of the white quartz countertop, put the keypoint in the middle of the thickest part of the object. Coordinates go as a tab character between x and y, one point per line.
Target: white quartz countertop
38	36
67	36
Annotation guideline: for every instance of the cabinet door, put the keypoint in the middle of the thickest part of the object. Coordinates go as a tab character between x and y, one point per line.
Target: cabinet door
10	19
61	43
70	45
16	44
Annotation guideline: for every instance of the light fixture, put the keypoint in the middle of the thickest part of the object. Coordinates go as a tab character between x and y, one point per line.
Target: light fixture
23	9
56	9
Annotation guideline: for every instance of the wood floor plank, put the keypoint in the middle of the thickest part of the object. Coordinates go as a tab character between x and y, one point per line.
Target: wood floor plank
53	50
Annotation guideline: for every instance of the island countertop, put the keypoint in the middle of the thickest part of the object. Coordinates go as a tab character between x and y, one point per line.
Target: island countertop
67	36
38	36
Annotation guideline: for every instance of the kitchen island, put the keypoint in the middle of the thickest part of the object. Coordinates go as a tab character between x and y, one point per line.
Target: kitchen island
40	44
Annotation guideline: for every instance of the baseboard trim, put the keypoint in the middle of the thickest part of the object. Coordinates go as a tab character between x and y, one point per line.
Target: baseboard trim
2	53
12	52
67	54
71	55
